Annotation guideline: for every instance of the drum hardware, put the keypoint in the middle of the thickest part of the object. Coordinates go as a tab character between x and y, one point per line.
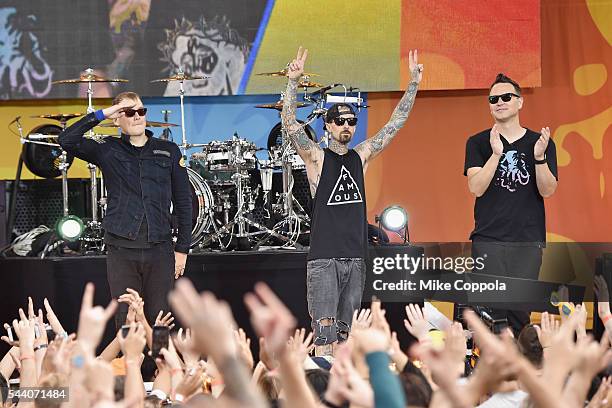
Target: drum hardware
92	239
181	77
167	132
231	160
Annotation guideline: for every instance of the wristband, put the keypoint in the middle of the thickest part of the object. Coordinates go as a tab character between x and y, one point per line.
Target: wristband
605	319
40	346
543	161
99	115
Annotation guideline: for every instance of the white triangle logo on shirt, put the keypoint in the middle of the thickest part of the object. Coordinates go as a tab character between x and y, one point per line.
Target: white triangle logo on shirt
346	190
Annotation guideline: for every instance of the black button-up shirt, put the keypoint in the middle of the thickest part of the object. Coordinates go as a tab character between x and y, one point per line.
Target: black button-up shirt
137	185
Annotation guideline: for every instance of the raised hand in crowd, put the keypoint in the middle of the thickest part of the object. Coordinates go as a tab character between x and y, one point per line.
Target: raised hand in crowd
346	384
57	327
415	322
243	345
211	323
92	321
184	345
165	320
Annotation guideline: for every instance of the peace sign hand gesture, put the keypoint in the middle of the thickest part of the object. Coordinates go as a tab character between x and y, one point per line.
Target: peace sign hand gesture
295	68
416	69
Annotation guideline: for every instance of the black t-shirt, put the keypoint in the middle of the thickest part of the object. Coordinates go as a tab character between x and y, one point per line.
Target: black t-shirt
339	225
511	209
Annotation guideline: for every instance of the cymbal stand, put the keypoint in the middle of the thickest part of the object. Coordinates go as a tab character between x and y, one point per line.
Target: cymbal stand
94	225
182	99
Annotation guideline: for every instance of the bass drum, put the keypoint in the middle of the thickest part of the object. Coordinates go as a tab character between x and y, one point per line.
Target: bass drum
202	203
44	160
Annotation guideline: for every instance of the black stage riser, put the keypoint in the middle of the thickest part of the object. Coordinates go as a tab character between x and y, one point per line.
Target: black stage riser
229	276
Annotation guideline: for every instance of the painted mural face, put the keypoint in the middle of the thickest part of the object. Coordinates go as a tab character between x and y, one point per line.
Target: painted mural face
23	70
205	48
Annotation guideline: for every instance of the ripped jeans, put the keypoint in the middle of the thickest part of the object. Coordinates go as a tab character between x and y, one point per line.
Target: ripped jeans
334	290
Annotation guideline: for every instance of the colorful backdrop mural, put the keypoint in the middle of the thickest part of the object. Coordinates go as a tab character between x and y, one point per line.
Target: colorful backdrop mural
422	169
357	42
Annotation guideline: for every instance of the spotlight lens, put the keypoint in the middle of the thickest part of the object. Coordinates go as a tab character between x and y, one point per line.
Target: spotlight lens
70	228
394	218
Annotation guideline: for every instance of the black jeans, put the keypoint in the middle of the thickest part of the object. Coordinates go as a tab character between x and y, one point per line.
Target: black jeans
148	271
516	261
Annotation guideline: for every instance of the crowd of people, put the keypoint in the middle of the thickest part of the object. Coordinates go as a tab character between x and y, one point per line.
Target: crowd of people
209	362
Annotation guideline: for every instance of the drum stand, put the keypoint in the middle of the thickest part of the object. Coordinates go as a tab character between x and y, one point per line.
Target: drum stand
292	219
240	220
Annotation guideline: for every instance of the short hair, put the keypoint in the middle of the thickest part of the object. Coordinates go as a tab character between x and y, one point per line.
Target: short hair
503	79
529	345
318	380
126	95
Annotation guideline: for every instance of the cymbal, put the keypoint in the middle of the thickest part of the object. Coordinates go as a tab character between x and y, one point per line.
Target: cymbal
180	77
279	105
88	77
61	117
149	124
309	84
283	72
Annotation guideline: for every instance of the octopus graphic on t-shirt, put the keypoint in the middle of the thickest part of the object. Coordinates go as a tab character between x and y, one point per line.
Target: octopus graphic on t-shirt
512	171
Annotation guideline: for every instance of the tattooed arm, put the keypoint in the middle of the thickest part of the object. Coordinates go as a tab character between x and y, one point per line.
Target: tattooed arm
371	147
307	149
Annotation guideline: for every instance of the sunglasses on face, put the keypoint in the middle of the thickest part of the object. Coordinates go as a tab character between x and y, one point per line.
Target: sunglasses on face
341	121
504	97
131	112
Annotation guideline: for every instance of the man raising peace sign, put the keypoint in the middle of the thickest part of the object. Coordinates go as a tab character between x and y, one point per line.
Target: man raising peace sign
338	237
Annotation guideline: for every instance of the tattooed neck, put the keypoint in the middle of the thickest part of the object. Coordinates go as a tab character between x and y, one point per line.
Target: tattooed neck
338	147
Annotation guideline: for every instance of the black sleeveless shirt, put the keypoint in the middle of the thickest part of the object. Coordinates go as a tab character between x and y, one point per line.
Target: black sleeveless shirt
339	223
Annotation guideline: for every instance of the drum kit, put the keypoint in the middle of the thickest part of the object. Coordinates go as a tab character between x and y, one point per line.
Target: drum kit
225	193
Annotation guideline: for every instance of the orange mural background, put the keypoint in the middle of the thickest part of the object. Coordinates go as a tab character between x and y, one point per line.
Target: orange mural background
463	41
422	169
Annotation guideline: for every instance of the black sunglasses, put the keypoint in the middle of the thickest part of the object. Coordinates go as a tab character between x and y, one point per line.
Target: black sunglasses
341	121
504	97
131	112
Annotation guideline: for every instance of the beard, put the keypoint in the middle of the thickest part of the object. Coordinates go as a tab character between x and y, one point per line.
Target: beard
345	137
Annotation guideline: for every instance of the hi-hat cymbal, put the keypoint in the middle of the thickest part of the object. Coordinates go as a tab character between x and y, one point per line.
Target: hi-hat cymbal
88	77
60	117
309	84
283	73
149	124
279	105
180	77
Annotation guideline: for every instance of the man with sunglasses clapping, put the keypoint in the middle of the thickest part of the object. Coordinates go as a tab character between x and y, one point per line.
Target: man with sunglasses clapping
338	234
510	170
144	175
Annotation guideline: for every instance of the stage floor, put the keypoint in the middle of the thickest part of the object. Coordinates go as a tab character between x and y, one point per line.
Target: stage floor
227	274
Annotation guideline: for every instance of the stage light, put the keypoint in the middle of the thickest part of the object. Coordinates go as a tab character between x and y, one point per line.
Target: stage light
70	228
395	219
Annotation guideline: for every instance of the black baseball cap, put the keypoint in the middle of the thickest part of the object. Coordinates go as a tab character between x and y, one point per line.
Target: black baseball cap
339	109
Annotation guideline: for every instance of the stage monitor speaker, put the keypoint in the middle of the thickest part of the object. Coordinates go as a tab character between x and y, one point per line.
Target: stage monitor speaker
39	202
